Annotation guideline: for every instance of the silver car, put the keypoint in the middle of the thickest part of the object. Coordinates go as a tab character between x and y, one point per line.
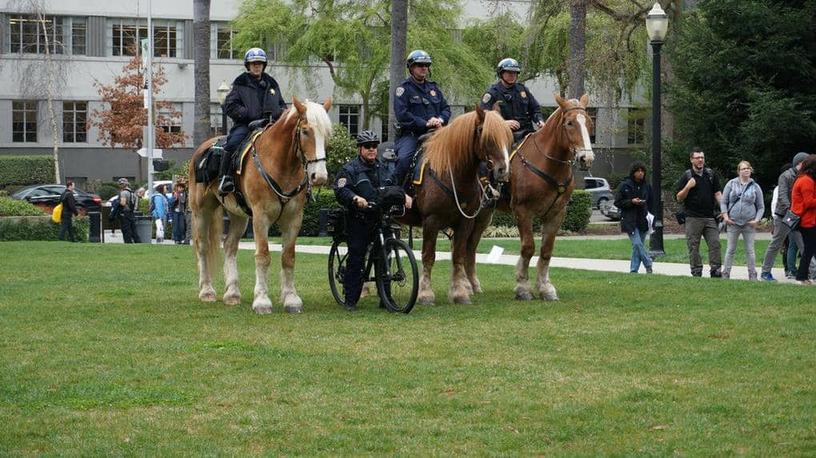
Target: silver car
598	188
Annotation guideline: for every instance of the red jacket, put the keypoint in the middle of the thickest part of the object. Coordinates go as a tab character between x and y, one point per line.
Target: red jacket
803	201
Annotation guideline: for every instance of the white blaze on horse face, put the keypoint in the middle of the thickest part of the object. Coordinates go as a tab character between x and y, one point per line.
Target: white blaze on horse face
585	154
317	170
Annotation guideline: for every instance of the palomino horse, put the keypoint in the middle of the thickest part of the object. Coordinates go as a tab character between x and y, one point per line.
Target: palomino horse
541	184
451	196
286	159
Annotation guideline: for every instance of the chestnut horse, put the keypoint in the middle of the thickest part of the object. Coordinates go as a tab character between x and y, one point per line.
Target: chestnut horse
450	195
540	186
285	160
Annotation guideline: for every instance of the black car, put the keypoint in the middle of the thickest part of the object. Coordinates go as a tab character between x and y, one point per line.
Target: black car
48	195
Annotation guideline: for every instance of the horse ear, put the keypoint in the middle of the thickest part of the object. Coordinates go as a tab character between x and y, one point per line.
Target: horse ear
480	115
327	104
584	100
561	102
298	105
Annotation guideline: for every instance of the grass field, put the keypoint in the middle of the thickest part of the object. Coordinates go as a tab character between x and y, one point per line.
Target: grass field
105	350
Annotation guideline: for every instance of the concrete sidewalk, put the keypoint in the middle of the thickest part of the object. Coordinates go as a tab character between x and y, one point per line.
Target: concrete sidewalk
603	265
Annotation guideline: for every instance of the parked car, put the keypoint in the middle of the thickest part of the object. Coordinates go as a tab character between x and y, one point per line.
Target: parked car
598	188
609	210
48	196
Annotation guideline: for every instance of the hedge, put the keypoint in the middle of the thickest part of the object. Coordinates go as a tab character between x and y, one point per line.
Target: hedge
38	228
577	219
341	149
14	207
26	170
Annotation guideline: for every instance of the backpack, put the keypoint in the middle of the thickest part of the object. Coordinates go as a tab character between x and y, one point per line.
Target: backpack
116	210
56	215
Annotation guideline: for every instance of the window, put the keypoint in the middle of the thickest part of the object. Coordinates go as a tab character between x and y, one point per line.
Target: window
350	117
168	122
29	35
78	35
224	49
593	115
164	41
384	130
127	38
24	121
636	126
74	117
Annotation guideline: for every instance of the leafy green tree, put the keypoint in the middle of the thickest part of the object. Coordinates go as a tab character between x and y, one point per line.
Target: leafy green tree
745	83
352	38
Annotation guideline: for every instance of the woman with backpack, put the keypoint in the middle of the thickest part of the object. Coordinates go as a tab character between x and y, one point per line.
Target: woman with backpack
69	210
742	206
159	208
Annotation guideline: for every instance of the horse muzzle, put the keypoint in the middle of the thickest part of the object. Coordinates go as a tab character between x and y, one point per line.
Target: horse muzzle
501	174
585	159
318	176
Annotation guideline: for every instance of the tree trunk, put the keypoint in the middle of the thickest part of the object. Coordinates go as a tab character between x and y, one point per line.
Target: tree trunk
577	44
50	95
201	57
399	32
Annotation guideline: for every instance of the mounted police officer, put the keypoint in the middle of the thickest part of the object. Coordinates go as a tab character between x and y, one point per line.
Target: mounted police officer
362	180
519	108
255	98
419	106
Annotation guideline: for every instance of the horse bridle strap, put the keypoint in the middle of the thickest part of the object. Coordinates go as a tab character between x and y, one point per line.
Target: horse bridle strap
282	195
560	188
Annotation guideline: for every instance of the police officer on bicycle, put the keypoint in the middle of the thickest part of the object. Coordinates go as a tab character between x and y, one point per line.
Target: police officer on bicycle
361	181
419	105
519	108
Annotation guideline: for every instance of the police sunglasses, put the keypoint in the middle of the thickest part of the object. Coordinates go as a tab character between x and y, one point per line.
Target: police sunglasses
369	145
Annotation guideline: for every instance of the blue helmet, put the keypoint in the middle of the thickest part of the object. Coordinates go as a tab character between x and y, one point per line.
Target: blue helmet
507	65
254	55
418	57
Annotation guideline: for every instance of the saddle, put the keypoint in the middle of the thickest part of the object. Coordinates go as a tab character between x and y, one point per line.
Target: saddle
206	166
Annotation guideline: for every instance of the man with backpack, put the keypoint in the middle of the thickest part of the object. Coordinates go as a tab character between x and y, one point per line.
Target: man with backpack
127	205
699	192
69	210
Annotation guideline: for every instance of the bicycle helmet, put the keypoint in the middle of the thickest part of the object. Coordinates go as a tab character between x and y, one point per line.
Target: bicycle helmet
507	65
418	57
367	136
254	55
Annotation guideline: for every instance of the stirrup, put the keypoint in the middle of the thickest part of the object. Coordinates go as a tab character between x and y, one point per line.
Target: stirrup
226	186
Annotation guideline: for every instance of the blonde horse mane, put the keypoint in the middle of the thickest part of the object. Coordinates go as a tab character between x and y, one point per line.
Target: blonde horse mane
451	146
316	116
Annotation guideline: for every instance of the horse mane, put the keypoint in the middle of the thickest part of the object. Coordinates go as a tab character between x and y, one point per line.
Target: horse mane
452	146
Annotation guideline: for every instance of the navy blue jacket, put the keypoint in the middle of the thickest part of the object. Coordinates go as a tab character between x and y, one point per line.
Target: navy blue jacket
358	178
416	103
252	99
516	103
633	216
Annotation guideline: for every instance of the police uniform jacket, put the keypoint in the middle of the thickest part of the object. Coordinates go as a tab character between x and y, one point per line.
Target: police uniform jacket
359	178
252	99
415	103
516	103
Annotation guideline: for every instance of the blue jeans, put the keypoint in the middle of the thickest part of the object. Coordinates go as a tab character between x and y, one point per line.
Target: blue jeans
639	253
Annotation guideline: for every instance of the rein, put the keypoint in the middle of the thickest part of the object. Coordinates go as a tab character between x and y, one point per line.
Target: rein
284	196
560	188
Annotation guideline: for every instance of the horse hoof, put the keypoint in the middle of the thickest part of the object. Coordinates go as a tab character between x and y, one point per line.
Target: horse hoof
232	300
208	296
523	295
425	300
262	309
548	292
462	300
293	309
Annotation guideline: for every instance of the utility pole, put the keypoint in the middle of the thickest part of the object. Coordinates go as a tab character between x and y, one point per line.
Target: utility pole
150	133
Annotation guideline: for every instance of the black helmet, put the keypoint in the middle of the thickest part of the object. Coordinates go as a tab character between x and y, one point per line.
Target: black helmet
418	57
367	136
507	65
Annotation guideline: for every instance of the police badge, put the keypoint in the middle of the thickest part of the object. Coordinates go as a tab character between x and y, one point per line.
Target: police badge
400	91
433	93
523	94
341	182
271	92
486	97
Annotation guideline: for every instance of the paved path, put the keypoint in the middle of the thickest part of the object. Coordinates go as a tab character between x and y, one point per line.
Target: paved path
604	265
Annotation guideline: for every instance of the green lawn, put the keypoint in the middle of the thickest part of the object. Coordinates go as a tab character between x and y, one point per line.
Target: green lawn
676	249
105	350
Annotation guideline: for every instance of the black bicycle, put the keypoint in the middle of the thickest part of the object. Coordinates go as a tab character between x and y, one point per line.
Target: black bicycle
394	265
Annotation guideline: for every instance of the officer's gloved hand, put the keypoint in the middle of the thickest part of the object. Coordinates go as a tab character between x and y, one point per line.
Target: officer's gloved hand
258	123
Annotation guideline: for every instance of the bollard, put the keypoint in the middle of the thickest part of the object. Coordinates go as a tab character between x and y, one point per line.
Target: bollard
95	227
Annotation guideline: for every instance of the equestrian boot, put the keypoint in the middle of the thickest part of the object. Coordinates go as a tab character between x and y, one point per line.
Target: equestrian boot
226	184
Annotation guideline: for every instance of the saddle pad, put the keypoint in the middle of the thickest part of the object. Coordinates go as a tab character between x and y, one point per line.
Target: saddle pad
518	147
244	149
419	167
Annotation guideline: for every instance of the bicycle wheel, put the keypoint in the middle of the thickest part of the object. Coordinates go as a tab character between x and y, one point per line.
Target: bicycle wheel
398	279
337	270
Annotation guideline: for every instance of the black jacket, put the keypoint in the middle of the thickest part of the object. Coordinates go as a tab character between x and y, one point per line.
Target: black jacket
633	216
68	201
359	178
252	99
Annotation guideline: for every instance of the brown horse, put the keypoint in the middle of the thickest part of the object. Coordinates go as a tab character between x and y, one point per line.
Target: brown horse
541	184
286	159
450	195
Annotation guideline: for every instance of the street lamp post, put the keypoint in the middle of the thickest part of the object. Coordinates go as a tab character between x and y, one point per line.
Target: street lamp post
223	90
657	23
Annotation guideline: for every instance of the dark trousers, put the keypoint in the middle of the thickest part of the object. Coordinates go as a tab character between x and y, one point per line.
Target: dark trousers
179	226
129	227
236	135
809	239
359	238
405	147
66	226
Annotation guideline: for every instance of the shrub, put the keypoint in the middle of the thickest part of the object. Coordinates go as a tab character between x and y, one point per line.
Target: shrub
14	207
26	170
38	228
311	213
578	211
341	149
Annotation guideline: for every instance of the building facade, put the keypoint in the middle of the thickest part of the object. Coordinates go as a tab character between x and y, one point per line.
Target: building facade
92	40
